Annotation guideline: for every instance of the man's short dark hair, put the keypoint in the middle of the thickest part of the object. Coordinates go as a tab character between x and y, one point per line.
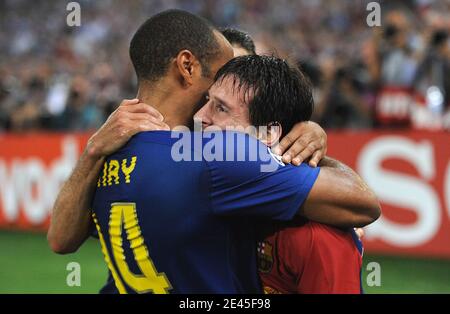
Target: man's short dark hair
274	90
240	38
164	35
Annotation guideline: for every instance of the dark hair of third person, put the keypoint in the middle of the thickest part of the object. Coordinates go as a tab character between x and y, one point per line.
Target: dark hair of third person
239	38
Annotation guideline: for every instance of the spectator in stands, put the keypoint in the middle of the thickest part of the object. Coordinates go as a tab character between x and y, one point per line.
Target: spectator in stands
42	59
431	107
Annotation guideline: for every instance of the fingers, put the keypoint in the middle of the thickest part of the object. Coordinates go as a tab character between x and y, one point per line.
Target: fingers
301	151
316	158
133	116
306	140
305	148
153	126
138	116
296	136
284	144
131	123
130	118
143	126
133	107
128	102
149	122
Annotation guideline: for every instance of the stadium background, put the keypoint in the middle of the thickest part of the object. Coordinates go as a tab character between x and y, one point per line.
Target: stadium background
381	92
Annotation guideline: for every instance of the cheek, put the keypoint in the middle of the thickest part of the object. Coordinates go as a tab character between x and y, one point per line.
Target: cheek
242	118
219	120
223	124
229	121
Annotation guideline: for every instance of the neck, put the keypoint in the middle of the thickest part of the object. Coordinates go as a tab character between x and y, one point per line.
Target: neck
170	104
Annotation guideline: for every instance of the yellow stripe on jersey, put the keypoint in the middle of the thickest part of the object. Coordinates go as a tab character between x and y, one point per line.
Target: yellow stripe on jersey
151	280
117	280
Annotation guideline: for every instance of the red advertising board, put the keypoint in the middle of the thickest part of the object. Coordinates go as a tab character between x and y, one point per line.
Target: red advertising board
32	169
409	171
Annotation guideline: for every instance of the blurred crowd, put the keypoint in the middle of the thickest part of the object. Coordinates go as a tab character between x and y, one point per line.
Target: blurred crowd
56	77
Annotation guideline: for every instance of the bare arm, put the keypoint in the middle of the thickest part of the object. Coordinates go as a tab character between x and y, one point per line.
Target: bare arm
71	221
340	197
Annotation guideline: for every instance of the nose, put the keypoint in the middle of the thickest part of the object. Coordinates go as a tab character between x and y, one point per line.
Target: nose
202	117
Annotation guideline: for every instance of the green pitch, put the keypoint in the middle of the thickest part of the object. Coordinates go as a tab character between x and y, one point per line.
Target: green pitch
28	266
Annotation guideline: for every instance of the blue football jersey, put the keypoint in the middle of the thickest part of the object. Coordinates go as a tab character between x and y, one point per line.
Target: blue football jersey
177	216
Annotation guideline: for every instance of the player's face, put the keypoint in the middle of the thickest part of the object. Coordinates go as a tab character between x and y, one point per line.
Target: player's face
225	107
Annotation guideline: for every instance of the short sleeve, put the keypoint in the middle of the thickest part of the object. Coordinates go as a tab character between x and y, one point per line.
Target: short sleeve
261	186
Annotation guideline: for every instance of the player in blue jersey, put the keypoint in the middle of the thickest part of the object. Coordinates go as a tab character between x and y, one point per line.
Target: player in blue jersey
71	221
171	222
201	253
188	226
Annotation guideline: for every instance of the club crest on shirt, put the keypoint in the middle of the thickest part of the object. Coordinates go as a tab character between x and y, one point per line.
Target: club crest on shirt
270	290
265	257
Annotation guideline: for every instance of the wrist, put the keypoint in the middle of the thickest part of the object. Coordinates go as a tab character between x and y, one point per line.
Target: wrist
93	150
92	154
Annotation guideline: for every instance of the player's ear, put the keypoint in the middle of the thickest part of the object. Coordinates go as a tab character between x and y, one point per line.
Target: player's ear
272	135
187	66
